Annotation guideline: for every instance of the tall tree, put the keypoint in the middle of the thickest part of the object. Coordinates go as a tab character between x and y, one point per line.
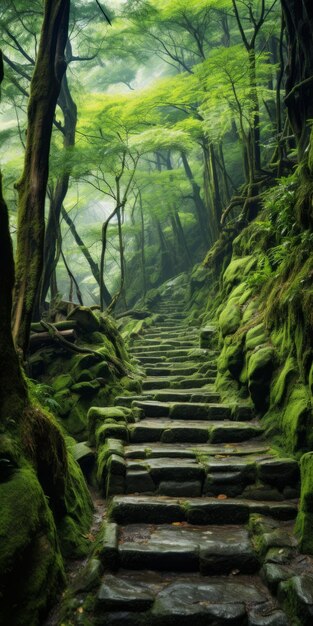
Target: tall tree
44	92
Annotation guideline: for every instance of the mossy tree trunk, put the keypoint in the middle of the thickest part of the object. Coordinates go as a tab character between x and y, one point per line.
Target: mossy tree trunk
13	394
299	85
44	92
299	100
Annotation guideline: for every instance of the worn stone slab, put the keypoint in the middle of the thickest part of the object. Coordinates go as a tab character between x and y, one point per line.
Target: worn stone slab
153	408
279	471
119	594
158	510
216	602
297	596
107	548
186	488
139	481
175	469
192	410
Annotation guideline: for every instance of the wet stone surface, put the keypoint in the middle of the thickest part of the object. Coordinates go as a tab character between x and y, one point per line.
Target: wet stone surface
199	524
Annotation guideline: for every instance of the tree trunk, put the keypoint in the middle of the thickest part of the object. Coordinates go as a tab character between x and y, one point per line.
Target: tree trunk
69	111
299	101
92	264
13	394
199	204
299	84
44	91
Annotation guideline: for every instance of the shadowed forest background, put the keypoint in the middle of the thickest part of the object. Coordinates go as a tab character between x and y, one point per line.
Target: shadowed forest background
147	146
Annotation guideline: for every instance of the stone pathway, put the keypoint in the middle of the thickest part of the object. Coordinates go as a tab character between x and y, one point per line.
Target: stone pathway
200	525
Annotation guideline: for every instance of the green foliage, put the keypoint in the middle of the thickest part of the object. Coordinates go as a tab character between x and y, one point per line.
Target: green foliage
44	395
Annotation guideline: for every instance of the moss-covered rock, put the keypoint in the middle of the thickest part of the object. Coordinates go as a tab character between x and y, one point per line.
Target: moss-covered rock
85	318
260	369
296	420
230	317
236	269
101	415
64	381
75	524
31	567
282	381
255	337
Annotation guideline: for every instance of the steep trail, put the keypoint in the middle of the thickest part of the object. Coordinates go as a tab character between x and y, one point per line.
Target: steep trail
200	524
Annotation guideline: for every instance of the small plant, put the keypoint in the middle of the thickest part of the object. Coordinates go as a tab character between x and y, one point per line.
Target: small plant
44	395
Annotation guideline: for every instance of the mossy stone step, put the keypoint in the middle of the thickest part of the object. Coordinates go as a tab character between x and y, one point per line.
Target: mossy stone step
169	469
174	334
174	431
150	360
194	410
196	382
172	371
149	348
210	550
198	511
183	342
153	598
128	400
214	453
175	382
188	395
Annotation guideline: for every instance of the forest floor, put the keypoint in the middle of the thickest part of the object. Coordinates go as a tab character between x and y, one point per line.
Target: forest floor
203	529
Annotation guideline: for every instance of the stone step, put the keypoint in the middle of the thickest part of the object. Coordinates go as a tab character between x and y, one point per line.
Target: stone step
180	343
170	327
210	476
149	348
160	351
174	366
175	382
128	400
175	431
172	316
151	360
173	334
193	357
194	410
156	450
209	550
187	395
199	511
172	370
131	598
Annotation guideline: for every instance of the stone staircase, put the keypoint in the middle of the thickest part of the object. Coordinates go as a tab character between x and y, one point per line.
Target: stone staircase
199	528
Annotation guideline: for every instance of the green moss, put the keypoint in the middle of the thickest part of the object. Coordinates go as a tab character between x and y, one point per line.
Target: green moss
100	415
112	430
64	381
261	364
238	268
230	317
74	526
84	376
86	388
86	319
76	422
31	568
255	337
250	311
296	420
283	380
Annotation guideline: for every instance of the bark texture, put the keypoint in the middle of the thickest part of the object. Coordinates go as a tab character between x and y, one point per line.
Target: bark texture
44	92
